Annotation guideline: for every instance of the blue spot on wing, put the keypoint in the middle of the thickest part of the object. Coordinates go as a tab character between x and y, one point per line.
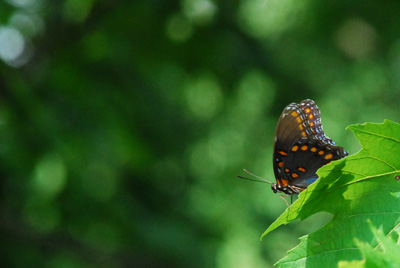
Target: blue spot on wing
311	180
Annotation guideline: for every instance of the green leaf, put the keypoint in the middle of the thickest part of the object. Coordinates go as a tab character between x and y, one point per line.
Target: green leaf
384	253
357	189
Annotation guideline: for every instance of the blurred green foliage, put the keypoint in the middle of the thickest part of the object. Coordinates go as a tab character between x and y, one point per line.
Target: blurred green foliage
124	123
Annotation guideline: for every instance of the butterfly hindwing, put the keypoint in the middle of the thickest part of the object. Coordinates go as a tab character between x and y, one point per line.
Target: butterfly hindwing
306	157
314	120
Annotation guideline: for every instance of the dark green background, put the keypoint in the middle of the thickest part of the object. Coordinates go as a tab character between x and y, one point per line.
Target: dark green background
124	123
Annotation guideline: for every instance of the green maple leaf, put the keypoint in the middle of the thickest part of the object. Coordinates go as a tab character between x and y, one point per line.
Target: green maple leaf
358	189
385	254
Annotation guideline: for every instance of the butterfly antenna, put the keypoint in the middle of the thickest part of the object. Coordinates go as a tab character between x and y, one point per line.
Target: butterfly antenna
258	177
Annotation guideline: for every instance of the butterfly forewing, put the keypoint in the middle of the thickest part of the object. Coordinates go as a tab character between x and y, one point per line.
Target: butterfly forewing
291	127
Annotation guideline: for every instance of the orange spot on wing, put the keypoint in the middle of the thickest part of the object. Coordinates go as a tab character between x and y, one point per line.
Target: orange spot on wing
282	153
295	114
307	110
285	182
301	126
295	175
313	149
295	148
321	152
304	134
328	156
302	169
304	147
287	170
312	124
280	164
298	119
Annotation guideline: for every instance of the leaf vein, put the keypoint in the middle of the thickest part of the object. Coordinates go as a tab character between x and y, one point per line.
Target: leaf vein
378	135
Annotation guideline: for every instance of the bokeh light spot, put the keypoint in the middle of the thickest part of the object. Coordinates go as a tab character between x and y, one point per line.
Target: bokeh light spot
268	18
199	11
210	158
77	10
27	24
49	176
356	38
203	96
179	28
23	3
12	44
256	93
224	147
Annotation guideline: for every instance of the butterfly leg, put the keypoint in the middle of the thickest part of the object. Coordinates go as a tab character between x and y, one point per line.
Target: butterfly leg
284	200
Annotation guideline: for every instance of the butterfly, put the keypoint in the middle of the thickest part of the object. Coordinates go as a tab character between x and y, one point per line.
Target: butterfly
300	148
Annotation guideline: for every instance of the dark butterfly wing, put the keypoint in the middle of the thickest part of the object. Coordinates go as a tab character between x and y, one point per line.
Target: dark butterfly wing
306	157
292	126
301	147
314	120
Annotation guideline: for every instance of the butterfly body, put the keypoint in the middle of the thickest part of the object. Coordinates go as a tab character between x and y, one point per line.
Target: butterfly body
301	148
